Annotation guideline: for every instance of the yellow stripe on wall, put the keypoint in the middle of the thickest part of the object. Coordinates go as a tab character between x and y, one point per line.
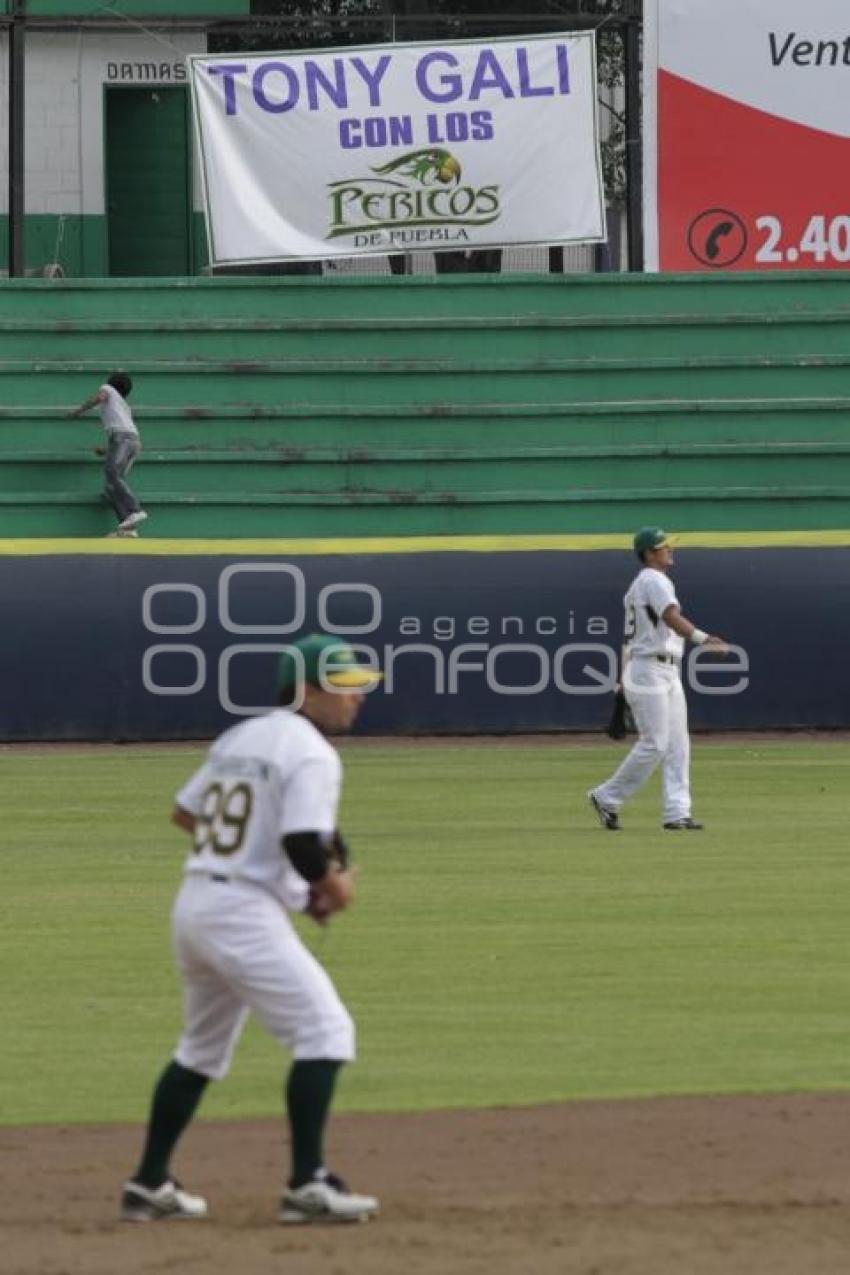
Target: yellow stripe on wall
418	544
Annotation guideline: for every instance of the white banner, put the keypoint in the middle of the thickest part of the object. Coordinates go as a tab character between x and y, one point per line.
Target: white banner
399	148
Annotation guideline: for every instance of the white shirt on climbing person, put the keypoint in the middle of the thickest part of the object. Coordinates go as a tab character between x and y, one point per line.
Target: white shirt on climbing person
115	412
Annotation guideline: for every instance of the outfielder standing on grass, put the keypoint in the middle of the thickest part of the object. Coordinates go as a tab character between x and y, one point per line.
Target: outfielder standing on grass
123	446
654	643
262	812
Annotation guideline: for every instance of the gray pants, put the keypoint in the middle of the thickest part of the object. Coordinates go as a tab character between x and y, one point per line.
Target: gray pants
121	451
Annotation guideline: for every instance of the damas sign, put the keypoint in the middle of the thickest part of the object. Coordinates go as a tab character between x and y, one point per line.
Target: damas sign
395	148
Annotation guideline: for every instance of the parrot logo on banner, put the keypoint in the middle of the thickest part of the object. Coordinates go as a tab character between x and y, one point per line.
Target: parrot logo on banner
426	166
416	195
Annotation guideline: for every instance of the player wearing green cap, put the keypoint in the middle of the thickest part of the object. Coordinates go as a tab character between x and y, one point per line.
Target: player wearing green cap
654	642
262	814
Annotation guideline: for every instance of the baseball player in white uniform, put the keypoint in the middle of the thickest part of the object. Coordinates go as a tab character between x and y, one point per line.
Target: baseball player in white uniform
262	813
654	643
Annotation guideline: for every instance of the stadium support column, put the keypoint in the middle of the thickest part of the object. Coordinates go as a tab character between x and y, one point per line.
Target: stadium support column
634	150
16	138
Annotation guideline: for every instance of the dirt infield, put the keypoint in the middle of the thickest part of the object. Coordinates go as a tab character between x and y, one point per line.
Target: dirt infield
676	1185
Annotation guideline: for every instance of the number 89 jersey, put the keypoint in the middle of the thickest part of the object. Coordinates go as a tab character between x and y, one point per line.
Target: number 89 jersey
263	779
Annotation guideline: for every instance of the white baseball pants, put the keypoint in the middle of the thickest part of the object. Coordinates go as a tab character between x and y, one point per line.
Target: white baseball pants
238	952
655	696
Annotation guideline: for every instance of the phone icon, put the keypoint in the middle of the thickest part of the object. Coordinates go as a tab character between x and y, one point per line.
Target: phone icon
717	237
712	243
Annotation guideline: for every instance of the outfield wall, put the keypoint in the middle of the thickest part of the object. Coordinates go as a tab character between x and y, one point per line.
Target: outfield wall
482	636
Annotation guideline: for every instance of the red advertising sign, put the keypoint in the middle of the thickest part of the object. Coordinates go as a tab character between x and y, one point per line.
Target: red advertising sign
747	135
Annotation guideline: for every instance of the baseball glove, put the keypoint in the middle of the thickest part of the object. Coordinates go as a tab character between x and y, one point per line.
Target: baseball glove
621	722
320	904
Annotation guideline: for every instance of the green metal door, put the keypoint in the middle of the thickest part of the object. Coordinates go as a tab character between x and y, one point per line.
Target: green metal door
148	198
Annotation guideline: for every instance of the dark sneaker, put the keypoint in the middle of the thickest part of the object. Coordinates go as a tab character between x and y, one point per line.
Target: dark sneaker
326	1199
684	825
607	817
145	1204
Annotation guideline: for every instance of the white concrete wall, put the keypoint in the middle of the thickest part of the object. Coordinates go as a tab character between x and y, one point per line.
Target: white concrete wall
66	75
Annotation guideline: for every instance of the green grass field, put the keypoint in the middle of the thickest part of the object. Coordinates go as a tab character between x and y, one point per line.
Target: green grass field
504	948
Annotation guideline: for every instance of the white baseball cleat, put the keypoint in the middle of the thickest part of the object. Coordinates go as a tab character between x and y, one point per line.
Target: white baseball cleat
145	1204
326	1199
132	520
122	535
